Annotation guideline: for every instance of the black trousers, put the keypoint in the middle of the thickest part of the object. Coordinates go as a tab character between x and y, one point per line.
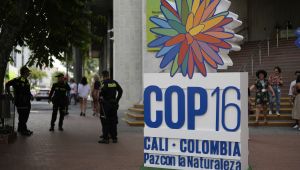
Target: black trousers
23	112
109	121
62	112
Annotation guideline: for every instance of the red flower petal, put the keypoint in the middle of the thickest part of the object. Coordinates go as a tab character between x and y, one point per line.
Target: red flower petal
170	8
182	52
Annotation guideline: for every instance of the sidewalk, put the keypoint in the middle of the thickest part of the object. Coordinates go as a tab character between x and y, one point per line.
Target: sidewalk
77	149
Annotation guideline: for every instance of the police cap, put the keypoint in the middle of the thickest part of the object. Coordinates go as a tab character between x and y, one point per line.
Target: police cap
24	70
60	75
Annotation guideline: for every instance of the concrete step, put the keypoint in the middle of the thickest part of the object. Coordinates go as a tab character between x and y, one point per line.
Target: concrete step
282	99
137	110
140	106
273	123
282	110
134	122
272	117
136	116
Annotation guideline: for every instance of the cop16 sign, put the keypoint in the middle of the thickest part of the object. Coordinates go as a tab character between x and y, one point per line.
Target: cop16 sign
198	123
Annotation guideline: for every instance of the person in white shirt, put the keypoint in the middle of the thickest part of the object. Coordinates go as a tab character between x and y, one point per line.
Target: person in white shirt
291	92
83	93
73	92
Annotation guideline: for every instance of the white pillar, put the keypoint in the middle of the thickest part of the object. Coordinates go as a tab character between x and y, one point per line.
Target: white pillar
127	16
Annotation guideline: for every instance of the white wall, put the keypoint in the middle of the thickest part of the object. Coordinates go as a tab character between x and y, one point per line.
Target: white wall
127	15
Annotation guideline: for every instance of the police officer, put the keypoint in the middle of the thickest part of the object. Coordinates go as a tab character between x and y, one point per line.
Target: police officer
110	95
59	98
22	97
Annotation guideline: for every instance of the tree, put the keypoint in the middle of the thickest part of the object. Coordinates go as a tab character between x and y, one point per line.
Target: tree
37	75
47	27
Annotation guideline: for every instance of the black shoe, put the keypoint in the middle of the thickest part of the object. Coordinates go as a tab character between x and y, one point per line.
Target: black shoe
101	136
67	113
81	114
26	133
29	131
60	129
51	129
104	141
115	140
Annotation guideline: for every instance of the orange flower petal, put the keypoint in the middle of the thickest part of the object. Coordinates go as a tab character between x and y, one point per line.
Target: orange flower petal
207	38
222	35
210	9
175	40
223	44
189	38
199	14
211	62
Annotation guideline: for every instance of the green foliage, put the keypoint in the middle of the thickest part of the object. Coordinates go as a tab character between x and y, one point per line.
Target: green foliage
90	68
51	27
36	75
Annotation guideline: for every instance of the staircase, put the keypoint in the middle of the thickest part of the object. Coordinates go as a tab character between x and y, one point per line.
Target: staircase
286	56
285	118
135	115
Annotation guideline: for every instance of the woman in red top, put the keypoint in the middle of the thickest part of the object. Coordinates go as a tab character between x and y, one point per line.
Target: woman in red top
276	82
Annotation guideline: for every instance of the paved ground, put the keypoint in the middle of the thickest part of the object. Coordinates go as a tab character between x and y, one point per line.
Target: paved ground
77	149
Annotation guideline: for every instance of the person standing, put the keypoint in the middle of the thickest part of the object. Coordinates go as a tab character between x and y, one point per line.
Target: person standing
73	92
291	91
110	95
262	87
83	93
276	82
95	94
296	108
58	96
22	97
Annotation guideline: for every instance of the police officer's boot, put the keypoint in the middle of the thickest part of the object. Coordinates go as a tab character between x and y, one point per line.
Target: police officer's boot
115	140
104	141
51	129
26	133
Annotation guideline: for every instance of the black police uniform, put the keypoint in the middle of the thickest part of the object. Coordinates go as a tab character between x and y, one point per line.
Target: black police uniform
110	94
22	96
59	98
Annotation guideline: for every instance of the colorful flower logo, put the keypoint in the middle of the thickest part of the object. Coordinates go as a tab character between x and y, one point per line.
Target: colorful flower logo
191	36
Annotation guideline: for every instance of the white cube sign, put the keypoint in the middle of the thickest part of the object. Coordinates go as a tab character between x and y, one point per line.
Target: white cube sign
199	123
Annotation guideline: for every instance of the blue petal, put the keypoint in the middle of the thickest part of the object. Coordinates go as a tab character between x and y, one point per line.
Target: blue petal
159	41
164	51
160	22
170	56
